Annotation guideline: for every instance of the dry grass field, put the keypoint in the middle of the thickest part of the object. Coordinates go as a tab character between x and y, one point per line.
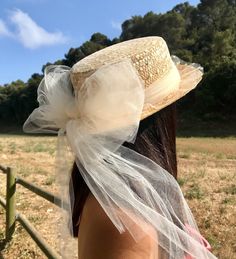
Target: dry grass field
207	176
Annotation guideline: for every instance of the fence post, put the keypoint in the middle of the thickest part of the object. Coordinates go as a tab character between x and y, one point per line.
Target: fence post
10	203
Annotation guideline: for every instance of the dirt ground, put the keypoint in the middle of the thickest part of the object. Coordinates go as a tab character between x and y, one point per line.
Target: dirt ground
207	176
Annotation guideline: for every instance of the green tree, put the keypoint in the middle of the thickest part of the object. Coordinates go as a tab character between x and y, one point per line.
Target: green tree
205	34
217	93
214	31
97	41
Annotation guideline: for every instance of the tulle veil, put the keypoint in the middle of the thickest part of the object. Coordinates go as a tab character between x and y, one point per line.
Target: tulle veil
135	192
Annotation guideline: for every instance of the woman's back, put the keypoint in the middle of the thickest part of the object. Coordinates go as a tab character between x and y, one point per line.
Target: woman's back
99	238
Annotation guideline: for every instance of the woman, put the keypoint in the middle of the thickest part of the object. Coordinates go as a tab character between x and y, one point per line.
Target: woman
130	205
155	140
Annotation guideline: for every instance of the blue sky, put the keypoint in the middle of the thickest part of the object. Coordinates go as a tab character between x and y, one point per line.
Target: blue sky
34	32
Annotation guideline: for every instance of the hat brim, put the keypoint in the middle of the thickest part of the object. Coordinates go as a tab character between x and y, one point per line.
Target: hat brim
190	76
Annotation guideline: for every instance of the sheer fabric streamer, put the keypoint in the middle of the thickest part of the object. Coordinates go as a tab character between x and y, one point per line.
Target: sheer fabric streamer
137	194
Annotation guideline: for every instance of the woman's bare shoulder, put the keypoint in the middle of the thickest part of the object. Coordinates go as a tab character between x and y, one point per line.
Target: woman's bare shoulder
99	238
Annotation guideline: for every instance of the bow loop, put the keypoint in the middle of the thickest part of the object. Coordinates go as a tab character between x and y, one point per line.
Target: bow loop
57	104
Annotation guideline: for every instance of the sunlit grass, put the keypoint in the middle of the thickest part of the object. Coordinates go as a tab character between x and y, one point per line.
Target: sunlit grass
206	174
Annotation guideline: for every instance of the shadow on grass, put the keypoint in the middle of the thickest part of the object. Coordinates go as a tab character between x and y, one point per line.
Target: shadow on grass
3	244
5	132
187	126
194	127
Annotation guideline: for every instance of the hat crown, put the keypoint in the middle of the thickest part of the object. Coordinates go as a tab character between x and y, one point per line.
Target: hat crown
150	56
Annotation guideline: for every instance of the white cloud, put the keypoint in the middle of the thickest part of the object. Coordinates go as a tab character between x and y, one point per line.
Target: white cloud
30	34
4	30
116	25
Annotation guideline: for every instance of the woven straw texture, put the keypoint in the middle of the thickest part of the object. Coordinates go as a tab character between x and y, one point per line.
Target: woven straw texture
151	58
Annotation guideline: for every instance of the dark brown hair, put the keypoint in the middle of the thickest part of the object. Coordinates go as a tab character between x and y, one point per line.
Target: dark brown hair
156	139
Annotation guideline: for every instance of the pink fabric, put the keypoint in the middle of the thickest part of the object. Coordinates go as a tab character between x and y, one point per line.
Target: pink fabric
193	233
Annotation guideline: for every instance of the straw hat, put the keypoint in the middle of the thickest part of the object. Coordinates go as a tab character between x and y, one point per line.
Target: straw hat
166	79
